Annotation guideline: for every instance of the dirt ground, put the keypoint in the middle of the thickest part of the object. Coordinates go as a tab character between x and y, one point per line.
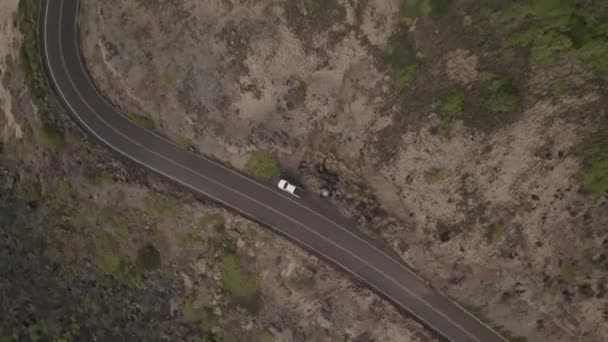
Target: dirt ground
488	207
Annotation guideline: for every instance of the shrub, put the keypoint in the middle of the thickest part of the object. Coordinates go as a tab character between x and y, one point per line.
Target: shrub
568	272
148	258
184	142
141	120
499	232
263	165
595	167
236	281
50	137
433	175
158	205
414	8
402	76
451	109
502	95
212	220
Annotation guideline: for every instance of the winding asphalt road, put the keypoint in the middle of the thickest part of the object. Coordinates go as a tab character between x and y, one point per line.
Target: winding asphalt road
323	234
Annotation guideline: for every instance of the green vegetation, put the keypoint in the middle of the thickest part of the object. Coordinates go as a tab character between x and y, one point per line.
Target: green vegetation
499	232
80	20
551	28
184	142
568	272
433	175
7	74
243	286
141	120
266	336
31	68
263	165
28	54
298	282
401	59
451	109
203	316
167	77
111	262
402	76
29	191
148	258
415	8
159	205
212	220
302	89
4	337
502	95
120	220
50	137
595	167
101	178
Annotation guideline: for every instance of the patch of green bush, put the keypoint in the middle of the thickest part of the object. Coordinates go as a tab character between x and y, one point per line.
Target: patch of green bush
433	175
502	95
31	68
184	142
148	258
50	137
167	77
212	220
402	76
29	190
551	28
411	9
595	167
110	261
142	120
568	272
400	56
159	205
451	109
101	178
498	232
202	315
236	280
263	165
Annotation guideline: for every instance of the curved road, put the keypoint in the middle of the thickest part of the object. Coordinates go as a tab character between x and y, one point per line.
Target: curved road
323	234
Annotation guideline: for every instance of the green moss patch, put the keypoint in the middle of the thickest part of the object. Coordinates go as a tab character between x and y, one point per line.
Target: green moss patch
263	165
50	137
202	315
184	142
148	258
451	109
243	286
415	8
568	272
501	96
595	167
111	262
159	205
551	28
434	175
498	232
211	220
142	120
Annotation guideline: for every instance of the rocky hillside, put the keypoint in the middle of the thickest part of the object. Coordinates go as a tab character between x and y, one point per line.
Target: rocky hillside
471	136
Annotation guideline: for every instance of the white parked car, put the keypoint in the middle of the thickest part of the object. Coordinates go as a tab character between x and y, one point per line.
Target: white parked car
288	187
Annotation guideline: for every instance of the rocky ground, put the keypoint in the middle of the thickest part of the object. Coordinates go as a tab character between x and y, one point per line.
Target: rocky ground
93	249
456	130
471	136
